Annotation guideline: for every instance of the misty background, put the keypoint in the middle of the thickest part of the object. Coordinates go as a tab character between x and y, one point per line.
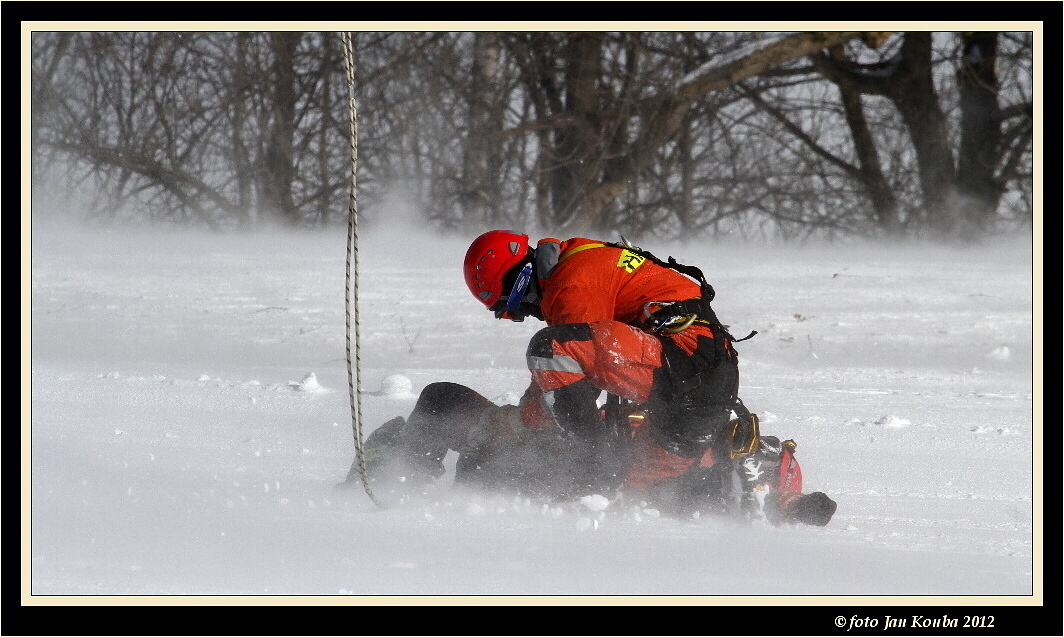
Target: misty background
663	134
180	447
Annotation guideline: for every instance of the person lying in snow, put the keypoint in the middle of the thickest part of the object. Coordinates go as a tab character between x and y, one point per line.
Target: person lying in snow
404	457
622	322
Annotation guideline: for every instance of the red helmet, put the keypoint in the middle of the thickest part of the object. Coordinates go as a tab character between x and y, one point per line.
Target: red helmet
489	259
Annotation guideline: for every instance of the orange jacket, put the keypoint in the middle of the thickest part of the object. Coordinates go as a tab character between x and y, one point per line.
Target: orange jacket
593	281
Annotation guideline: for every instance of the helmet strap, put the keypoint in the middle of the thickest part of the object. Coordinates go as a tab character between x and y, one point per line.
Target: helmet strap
517	293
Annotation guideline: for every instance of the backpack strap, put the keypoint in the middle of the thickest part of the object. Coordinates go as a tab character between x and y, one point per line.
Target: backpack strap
705	310
705	313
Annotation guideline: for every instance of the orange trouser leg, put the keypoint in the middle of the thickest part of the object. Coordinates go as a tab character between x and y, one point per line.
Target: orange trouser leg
649	464
619	359
615	357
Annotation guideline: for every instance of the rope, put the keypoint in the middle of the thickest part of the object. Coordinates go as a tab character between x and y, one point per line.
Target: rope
354	365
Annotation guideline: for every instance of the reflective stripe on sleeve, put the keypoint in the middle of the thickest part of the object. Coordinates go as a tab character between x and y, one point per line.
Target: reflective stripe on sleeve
555	364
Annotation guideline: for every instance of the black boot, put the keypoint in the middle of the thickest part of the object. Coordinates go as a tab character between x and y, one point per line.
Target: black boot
405	456
393	468
814	508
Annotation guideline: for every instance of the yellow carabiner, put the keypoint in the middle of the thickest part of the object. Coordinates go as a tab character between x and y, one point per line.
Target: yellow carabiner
687	320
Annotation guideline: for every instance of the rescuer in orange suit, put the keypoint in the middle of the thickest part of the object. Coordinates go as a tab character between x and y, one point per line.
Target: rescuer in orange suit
620	321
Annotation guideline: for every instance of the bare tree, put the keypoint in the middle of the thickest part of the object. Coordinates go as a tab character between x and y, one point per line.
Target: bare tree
958	196
604	135
669	134
276	195
481	158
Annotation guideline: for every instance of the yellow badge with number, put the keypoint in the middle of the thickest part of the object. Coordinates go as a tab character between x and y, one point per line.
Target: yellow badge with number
630	260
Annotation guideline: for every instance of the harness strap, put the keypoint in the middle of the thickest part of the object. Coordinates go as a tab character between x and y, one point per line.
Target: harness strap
586	246
703	310
696	310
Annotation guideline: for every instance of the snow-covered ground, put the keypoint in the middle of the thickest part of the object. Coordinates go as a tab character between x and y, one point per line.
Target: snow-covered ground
189	421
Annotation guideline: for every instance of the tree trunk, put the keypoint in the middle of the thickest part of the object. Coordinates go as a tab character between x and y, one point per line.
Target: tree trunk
981	134
280	164
242	165
480	190
576	152
880	195
915	97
